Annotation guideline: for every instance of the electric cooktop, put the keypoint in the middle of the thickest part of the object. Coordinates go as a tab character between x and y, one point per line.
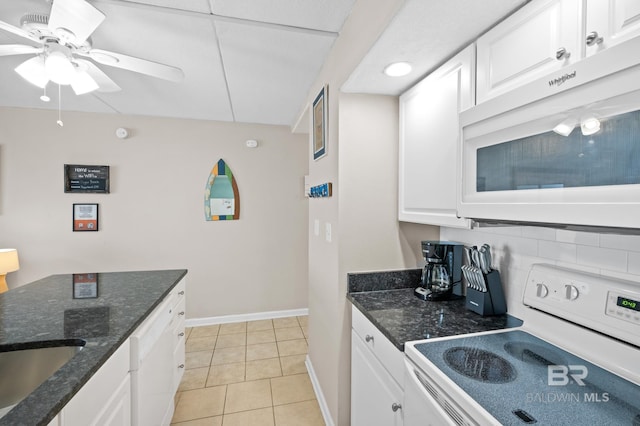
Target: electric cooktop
521	379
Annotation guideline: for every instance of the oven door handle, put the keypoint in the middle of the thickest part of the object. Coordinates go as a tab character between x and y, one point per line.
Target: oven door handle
446	410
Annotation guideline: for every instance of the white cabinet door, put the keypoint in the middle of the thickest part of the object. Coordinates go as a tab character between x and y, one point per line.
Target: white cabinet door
375	397
106	398
611	22
529	45
117	410
429	139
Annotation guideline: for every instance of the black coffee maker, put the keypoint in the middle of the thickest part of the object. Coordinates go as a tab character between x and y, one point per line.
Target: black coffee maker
442	275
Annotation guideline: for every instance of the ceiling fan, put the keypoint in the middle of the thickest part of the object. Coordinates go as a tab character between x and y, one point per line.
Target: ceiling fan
63	40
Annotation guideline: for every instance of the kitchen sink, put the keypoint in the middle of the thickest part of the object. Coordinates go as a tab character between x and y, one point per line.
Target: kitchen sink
23	370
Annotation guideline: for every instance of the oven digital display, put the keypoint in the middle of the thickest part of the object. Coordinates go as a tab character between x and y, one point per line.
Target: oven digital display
628	303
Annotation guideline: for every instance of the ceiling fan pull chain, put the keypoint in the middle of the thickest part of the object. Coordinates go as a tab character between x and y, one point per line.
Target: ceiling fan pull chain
44	97
60	123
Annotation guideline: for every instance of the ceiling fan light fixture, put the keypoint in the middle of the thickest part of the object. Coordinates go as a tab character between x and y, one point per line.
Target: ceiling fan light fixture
59	68
33	71
83	83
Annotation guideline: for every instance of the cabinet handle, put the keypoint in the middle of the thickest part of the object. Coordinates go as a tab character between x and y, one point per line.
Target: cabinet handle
181	366
181	293
181	334
593	38
368	338
181	313
395	407
562	54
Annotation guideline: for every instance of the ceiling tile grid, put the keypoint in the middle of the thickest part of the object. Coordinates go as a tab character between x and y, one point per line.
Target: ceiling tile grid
272	51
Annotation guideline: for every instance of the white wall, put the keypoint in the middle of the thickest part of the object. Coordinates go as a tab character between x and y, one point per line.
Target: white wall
516	248
154	218
328	323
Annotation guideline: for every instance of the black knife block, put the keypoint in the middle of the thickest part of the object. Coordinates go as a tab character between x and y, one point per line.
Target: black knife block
487	303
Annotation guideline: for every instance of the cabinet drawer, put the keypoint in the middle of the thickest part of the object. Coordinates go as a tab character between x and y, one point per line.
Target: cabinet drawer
179	363
177	294
379	345
178	324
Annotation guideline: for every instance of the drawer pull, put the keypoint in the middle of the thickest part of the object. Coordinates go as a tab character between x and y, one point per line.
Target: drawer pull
395	407
181	334
181	366
181	313
181	293
368	338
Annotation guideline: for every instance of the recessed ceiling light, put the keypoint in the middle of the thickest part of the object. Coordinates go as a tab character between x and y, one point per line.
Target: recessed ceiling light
398	69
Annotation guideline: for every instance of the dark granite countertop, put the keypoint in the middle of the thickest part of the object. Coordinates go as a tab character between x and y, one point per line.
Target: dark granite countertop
46	311
387	300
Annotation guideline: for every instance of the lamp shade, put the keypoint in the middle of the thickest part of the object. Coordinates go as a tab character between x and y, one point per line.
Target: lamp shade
8	260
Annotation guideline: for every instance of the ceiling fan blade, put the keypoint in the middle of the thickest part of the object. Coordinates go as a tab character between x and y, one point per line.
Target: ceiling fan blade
142	66
17	31
18	49
75	16
104	82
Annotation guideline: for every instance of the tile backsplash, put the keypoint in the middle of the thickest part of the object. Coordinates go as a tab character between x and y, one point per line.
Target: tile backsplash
516	248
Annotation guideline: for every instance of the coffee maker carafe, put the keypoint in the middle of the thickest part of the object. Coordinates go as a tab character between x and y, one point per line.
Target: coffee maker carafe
442	274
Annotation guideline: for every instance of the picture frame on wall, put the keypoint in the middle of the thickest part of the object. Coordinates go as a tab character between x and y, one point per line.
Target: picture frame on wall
85	217
319	112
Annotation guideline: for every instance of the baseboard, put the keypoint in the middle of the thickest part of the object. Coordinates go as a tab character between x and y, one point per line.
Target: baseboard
324	408
195	322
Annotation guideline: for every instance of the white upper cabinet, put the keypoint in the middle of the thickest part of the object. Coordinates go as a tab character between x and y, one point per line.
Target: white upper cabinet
546	36
429	138
540	38
610	22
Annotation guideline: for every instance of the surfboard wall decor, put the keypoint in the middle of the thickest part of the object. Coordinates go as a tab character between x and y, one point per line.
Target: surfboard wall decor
221	196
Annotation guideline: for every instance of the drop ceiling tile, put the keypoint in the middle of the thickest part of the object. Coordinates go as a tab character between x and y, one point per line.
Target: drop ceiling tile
269	71
326	15
201	6
187	42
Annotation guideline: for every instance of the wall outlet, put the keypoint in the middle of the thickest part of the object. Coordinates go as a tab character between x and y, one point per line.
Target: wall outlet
327	232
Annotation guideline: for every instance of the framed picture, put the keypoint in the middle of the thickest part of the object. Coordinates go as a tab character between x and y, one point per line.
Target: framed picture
88	179
85	286
320	124
85	217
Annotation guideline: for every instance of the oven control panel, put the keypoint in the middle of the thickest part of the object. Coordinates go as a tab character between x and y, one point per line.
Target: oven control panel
605	304
624	305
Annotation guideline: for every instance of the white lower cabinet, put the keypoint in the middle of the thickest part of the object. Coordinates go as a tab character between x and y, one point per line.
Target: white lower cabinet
106	398
137	384
376	396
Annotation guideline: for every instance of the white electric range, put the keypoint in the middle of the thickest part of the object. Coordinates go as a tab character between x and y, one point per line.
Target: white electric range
575	361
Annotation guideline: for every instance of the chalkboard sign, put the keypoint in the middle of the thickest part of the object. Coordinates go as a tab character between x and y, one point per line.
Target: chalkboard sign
79	178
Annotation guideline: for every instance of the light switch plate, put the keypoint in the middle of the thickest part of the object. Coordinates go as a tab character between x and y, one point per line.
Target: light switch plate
327	232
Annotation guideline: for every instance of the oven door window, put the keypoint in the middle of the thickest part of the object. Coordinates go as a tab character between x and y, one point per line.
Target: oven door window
610	156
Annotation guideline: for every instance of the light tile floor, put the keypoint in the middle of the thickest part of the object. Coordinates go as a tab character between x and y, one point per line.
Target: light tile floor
249	373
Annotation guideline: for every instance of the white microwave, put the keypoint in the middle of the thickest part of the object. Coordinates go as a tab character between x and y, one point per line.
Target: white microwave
562	150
